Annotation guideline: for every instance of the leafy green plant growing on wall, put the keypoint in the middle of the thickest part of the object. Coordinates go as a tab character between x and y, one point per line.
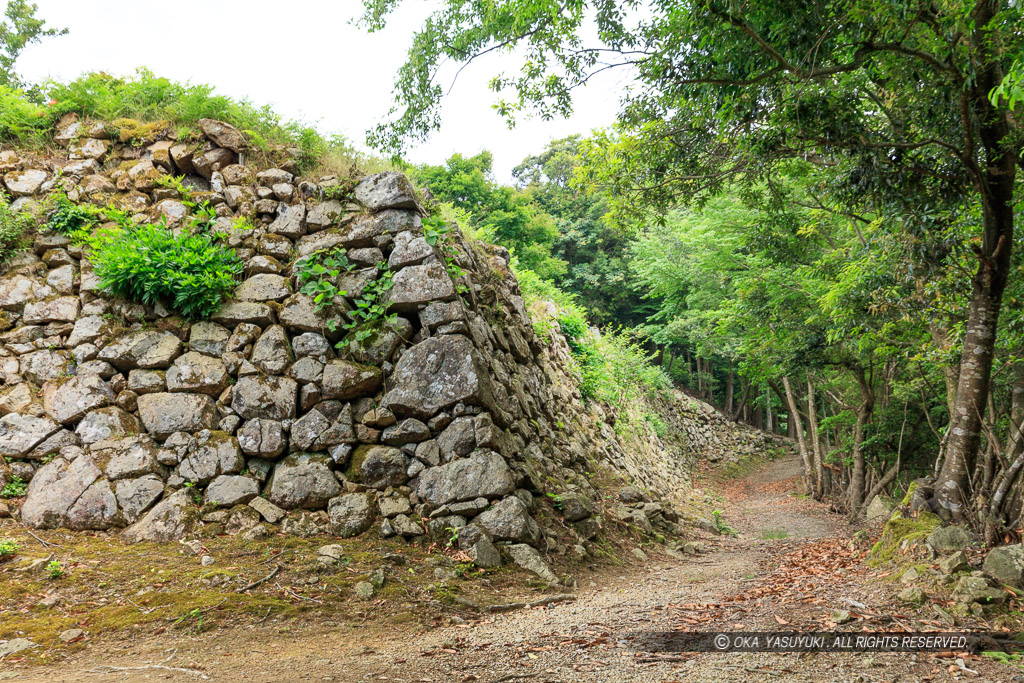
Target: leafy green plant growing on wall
148	264
202	214
371	309
317	274
67	218
14	229
15	488
437	233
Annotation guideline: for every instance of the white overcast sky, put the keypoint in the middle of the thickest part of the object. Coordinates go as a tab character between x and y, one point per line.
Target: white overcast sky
305	59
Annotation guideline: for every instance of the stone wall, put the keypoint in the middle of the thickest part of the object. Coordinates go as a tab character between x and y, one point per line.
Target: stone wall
455	415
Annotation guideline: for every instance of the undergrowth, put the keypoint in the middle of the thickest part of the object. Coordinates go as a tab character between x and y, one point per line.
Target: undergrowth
614	368
14	229
148	263
131	103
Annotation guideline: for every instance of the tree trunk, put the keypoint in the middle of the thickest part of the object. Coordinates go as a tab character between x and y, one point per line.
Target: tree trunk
867	405
812	419
728	392
1014	452
995	182
794	415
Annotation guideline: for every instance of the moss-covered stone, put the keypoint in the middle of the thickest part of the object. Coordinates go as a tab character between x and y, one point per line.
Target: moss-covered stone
901	532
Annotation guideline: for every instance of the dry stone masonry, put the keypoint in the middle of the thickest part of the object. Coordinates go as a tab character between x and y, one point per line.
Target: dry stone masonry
454	416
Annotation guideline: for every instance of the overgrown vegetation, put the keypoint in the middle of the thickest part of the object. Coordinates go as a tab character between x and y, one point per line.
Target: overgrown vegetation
15	488
149	263
140	106
14	229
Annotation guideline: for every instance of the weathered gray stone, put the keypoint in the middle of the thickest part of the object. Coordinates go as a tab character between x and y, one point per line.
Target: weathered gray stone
290	221
68	401
880	509
107	423
458	439
232	313
575	506
484	554
1005	564
410	249
406	431
148	349
324	215
209	338
306	431
416	286
163	414
388	190
263	287
173	518
198	373
63	309
951	564
482	474
272	352
351	514
19	290
223	134
529	559
380	466
15	399
147	381
129	457
437	373
509	520
977	589
24	183
274	398
947	539
55	488
135	496
262	438
215	453
19	434
267	510
227	490
345	380
302	481
44	365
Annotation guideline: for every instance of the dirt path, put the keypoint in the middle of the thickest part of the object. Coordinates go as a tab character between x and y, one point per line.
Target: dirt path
789	566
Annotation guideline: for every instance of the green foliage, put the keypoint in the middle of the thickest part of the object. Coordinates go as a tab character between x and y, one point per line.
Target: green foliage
721	525
202	214
437	233
54	570
148	263
657	424
371	310
1011	90
506	216
14	229
67	218
20	28
15	488
318	272
8	547
139	106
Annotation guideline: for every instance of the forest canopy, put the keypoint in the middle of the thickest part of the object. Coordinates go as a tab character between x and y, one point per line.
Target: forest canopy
817	201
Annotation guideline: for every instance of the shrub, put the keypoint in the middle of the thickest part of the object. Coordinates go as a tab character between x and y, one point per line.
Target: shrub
67	218
15	488
8	547
149	263
14	229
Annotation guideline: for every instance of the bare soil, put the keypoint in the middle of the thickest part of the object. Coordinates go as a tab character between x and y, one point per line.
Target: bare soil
789	566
